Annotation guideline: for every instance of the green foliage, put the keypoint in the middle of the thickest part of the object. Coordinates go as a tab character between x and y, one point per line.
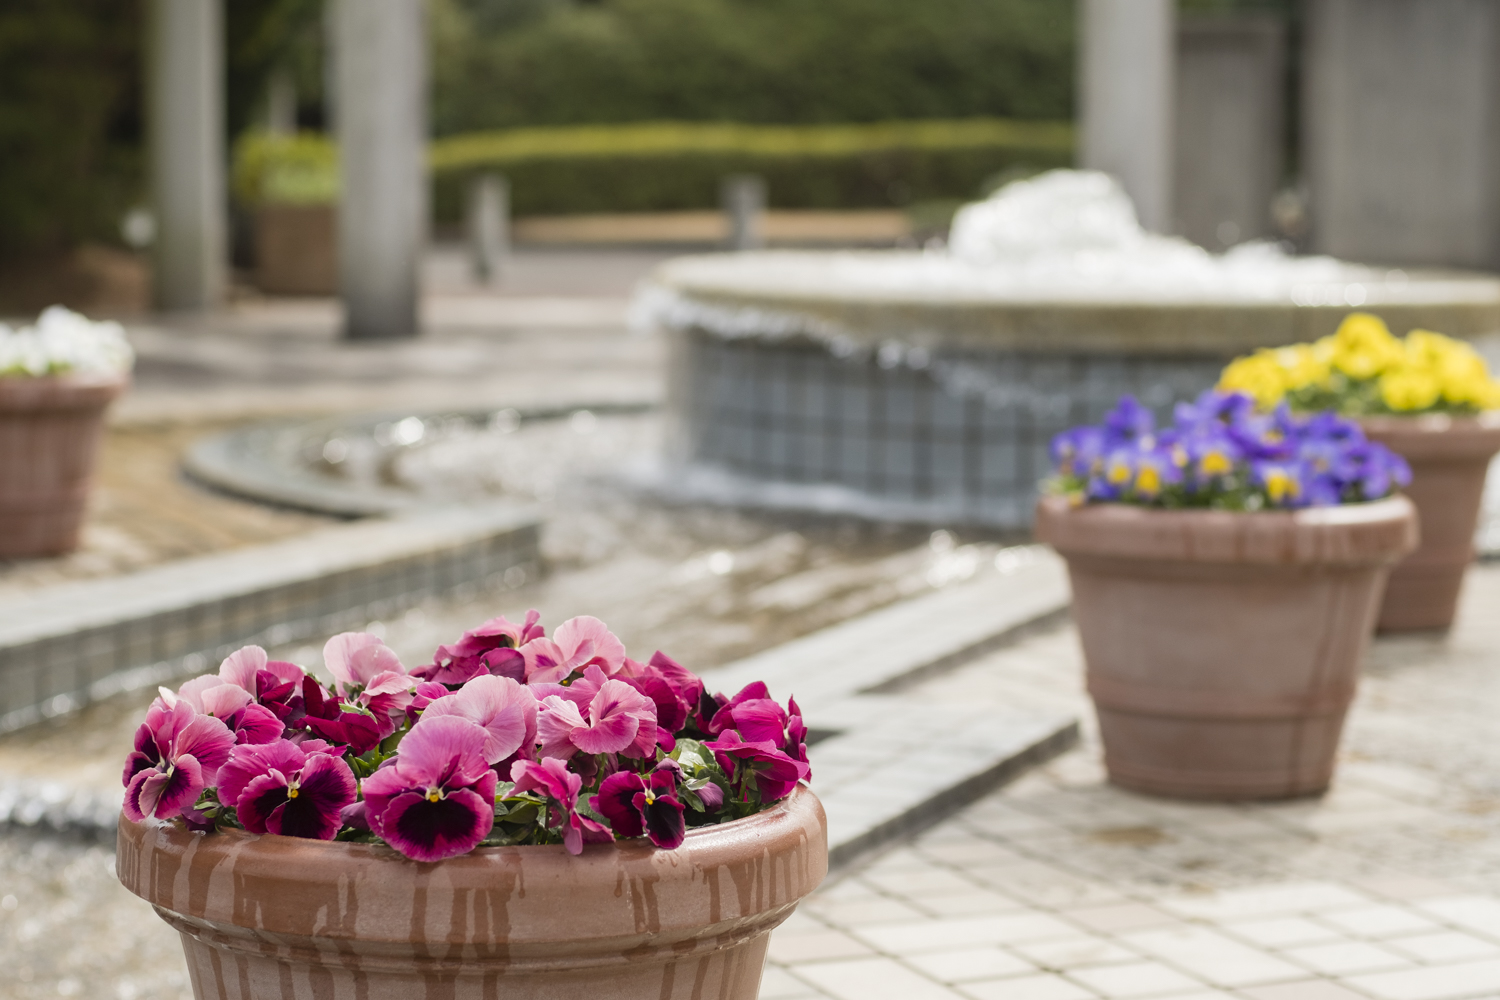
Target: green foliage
70	127
297	170
510	63
660	166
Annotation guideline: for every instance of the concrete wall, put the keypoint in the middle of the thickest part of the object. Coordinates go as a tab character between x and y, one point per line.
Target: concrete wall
1230	124
1401	121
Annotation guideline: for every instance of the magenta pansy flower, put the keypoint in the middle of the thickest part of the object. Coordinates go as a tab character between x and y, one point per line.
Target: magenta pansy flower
637	805
492	648
620	720
504	709
577	644
178	753
775	773
336	721
288	789
438	799
232	705
552	778
274	684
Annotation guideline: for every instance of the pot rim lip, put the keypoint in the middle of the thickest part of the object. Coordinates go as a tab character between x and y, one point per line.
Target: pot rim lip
68	379
384	852
1392	508
1433	423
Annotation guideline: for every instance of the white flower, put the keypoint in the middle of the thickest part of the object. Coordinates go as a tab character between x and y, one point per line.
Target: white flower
64	341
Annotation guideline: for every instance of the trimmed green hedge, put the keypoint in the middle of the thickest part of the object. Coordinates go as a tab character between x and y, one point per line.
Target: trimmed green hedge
663	166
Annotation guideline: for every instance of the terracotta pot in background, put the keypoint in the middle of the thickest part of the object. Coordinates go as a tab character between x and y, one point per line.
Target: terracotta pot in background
1449	458
274	916
1223	648
49	434
296	249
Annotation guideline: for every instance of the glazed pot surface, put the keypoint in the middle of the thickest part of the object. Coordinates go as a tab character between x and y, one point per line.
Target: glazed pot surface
1449	458
1223	648
49	434
277	917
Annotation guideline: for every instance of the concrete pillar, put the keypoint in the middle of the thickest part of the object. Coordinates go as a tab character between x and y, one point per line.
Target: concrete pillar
1127	59
1401	130
1231	126
185	112
489	226
744	198
382	131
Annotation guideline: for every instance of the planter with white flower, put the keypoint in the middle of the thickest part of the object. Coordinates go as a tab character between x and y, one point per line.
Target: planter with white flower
524	816
1226	571
1431	400
57	377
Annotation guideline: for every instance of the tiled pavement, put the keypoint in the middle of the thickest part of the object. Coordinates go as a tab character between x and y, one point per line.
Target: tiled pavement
1061	887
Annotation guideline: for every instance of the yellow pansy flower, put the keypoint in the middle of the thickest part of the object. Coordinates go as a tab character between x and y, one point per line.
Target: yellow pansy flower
1363	347
1408	388
1259	376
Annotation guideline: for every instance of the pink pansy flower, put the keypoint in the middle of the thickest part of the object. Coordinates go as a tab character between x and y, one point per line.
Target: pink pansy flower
275	684
368	672
552	778
424	694
578	643
637	805
775	773
288	789
492	648
504	709
620	720
438	799
724	717
178	753
232	705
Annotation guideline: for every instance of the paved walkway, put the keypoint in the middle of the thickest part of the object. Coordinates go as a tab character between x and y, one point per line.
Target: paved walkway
1062	887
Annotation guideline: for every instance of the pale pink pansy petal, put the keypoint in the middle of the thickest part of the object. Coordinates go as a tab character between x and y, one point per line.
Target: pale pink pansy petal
356	658
208	741
615	717
443	750
240	667
587	640
506	710
545	662
556	721
222	700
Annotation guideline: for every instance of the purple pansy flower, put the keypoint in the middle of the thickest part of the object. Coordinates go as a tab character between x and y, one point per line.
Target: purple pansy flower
560	787
178	753
438	799
295	790
637	805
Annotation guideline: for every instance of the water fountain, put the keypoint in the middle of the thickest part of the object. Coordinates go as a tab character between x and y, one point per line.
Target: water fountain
925	385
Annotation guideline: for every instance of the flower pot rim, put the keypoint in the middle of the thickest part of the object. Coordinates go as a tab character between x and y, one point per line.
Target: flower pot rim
1354	513
1432	423
68	378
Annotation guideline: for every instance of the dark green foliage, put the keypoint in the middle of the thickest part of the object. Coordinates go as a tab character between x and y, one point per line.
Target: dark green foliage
673	166
505	63
70	124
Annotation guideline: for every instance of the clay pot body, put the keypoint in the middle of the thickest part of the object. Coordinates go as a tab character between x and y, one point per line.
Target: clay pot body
276	917
49	435
1223	648
1449	457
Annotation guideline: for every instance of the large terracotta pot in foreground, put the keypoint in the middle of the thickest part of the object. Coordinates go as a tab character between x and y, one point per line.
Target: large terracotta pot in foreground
275	917
49	433
1223	649
1449	457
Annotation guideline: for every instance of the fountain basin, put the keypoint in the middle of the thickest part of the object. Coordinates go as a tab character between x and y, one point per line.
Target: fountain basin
926	386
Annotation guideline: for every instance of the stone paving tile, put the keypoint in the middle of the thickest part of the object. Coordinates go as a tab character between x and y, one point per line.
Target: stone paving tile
1386	888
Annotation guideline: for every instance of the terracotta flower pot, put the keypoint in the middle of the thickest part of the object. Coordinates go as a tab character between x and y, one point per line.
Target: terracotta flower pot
270	916
1449	457
49	433
1223	649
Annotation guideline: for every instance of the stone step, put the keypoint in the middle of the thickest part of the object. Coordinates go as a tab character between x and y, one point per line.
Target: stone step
65	645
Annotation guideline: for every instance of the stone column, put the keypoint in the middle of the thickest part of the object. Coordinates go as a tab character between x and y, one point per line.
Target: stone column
1127	60
1231	126
1401	130
185	114
382	132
